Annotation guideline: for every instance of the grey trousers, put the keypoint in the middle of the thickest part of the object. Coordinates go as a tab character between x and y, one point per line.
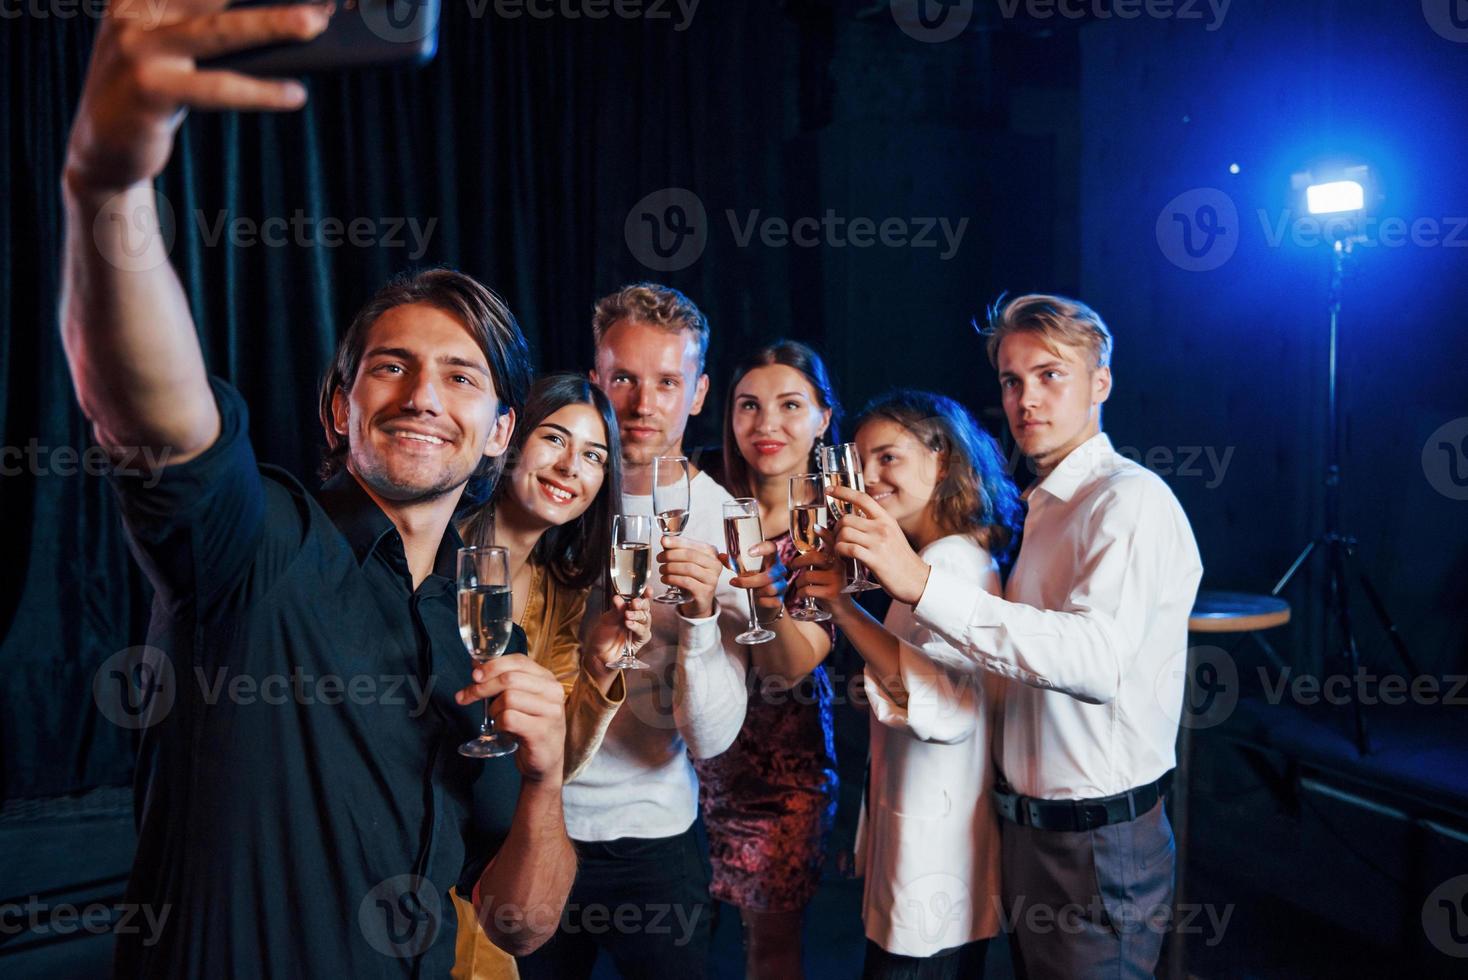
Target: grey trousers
1090	903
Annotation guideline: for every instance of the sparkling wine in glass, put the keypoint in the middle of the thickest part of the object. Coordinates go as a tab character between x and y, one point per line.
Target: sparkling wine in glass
808	517
742	532
670	503
841	467
627	571
486	609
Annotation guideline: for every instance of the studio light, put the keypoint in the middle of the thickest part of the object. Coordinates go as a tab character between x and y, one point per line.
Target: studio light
1335	197
1340	197
1343	198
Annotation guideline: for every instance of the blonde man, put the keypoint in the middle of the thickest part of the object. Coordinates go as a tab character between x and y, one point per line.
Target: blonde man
1094	613
641	892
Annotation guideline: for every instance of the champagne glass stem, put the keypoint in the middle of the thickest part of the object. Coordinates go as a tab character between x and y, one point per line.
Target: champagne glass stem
753	611
486	729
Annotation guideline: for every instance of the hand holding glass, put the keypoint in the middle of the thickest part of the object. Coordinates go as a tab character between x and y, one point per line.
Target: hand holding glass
486	607
670	503
841	467
627	571
808	517
741	533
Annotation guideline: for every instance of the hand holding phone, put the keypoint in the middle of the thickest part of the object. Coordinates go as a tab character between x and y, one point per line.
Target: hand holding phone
362	34
144	73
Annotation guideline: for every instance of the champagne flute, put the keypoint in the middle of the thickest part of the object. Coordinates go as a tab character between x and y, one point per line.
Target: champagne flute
631	554
742	532
841	467
486	609
670	503
808	518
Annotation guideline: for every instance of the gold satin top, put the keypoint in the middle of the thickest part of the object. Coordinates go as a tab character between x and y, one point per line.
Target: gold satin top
552	624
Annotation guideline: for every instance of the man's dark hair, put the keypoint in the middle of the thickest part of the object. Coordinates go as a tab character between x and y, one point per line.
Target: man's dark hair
482	312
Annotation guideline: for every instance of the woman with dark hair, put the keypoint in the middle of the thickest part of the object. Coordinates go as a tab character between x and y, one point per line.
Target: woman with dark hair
552	510
928	846
769	800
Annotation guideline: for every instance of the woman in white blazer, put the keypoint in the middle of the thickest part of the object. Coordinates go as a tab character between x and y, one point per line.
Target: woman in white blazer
928	843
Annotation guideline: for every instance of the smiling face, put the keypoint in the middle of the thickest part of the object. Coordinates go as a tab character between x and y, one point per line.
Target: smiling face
776	418
561	468
422	411
900	473
1052	397
652	377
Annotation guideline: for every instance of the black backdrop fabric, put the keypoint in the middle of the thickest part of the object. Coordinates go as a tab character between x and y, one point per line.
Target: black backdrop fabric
517	153
525	155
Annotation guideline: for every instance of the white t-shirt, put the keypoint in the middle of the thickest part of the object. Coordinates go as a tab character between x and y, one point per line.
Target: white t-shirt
641	783
928	844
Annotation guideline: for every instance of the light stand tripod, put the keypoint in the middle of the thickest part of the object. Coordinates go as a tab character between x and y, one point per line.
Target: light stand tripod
1339	547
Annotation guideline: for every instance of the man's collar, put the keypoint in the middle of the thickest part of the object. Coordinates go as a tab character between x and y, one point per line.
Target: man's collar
364	524
1090	457
355	514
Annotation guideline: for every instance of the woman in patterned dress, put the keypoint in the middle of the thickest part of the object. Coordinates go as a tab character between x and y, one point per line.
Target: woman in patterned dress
769	801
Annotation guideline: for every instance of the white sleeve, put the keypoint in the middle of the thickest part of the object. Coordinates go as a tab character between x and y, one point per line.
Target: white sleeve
1084	648
711	696
936	703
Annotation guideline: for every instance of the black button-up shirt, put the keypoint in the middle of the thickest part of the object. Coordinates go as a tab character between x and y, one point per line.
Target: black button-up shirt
302	808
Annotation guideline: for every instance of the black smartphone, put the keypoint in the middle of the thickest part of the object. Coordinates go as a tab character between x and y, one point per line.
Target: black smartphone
362	34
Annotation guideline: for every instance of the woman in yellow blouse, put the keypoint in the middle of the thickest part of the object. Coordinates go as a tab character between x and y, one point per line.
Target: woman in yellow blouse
553	510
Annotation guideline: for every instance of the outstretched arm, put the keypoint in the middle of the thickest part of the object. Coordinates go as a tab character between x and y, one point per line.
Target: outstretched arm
129	338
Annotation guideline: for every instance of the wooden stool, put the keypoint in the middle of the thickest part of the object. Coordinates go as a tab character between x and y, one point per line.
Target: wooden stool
1237	612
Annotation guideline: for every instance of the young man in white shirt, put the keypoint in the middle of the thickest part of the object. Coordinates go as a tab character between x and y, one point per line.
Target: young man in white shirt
641	891
1093	626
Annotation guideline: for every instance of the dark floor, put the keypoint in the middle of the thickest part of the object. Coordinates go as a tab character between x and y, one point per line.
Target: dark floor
1304	876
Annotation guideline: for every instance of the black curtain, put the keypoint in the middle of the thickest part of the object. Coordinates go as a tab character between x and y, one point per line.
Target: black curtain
516	155
522	155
